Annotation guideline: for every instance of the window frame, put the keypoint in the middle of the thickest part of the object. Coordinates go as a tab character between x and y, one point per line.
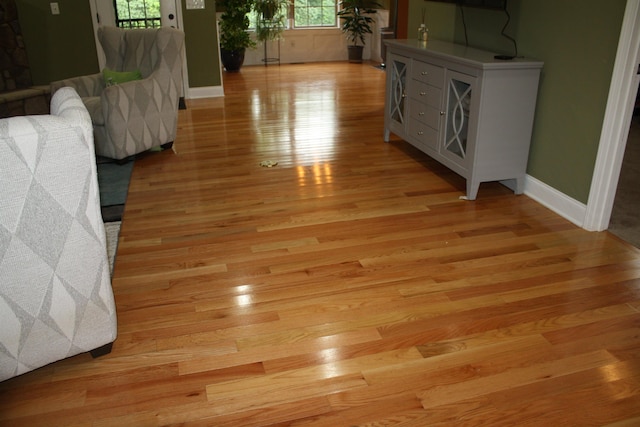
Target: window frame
335	23
290	21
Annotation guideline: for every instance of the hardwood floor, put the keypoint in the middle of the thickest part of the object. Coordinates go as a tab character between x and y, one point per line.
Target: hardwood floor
348	285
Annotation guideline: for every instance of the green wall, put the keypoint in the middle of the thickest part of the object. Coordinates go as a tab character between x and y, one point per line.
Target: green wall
62	46
58	46
201	45
577	40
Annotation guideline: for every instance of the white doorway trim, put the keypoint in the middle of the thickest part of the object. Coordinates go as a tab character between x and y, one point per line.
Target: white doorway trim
617	120
102	13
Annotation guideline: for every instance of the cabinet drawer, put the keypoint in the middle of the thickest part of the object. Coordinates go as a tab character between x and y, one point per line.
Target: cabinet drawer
423	134
427	94
427	73
426	114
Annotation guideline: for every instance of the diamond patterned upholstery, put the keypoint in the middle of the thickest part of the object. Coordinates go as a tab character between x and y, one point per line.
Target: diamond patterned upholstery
55	288
132	117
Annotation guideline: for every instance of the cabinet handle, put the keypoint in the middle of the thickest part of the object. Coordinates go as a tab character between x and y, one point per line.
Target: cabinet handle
420	133
424	73
421	113
423	93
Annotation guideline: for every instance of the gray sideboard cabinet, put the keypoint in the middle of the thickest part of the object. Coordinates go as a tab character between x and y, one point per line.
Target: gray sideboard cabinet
463	107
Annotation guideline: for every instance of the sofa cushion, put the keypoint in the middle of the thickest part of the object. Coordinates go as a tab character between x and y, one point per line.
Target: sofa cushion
117	77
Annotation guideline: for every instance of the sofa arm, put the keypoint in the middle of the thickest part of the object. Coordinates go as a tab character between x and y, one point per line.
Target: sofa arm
129	124
55	288
67	105
85	86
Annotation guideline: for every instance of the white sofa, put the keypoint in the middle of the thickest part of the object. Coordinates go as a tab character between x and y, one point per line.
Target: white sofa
56	299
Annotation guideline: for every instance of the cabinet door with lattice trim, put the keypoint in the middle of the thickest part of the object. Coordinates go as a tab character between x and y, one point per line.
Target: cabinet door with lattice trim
397	79
460	115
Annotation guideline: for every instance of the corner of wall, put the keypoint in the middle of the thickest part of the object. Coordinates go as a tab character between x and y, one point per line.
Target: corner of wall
205	92
565	206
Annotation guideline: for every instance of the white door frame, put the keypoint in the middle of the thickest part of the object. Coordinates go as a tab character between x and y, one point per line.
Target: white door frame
617	120
102	13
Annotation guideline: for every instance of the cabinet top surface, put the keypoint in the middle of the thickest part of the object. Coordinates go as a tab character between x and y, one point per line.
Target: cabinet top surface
462	54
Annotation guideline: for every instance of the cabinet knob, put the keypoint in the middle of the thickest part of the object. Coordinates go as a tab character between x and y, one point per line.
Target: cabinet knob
420	133
442	113
423	93
421	113
424	73
404	95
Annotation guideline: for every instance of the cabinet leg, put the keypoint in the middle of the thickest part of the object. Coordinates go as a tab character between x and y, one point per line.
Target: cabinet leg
387	135
472	189
519	186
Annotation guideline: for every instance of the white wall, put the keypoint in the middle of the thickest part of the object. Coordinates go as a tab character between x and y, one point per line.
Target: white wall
305	46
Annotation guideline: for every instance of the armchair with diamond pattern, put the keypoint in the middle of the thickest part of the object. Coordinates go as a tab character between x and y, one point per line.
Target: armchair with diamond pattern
134	116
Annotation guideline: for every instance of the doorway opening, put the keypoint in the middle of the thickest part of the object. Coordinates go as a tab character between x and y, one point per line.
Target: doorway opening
625	222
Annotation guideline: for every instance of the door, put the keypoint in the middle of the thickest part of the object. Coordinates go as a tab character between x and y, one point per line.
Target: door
457	141
169	13
397	75
104	13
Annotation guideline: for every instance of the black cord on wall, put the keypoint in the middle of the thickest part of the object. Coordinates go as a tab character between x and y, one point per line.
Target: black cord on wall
515	44
506	11
464	26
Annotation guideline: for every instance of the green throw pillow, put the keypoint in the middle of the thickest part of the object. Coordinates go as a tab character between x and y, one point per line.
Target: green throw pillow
116	77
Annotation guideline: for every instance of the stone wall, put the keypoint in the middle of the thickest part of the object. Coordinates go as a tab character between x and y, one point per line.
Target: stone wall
13	56
18	97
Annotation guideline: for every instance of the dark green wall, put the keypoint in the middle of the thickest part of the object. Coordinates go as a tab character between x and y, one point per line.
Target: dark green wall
202	46
61	46
577	40
58	46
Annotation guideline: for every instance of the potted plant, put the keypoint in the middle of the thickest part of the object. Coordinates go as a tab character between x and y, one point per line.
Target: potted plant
356	23
234	37
271	18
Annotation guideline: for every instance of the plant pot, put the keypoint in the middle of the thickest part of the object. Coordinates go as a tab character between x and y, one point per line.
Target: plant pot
355	53
232	60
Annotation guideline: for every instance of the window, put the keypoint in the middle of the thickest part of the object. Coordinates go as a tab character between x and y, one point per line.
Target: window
314	13
137	13
279	16
306	14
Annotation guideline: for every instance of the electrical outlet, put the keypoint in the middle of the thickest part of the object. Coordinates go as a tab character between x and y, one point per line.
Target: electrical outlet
55	9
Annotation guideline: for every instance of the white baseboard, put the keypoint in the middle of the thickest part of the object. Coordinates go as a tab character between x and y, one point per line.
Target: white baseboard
205	92
555	200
